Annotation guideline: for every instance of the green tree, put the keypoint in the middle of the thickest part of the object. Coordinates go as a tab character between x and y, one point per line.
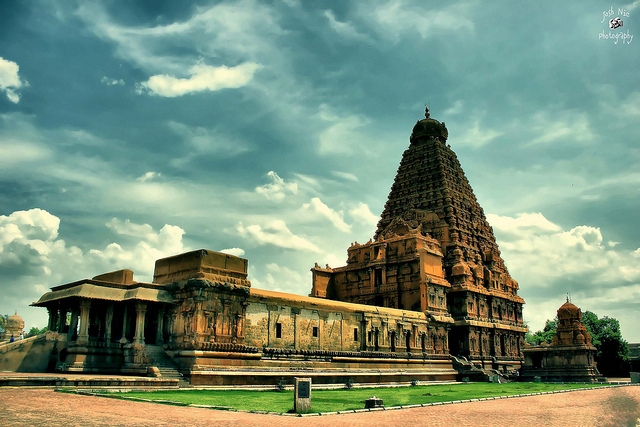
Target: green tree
36	331
545	335
612	351
3	321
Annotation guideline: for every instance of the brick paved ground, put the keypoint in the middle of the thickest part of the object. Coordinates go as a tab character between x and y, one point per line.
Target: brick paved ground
605	407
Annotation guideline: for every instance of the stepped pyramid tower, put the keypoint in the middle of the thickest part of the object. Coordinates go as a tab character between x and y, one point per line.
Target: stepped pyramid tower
435	252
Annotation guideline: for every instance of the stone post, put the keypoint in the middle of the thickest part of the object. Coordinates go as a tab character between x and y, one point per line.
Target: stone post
160	327
73	326
83	334
296	319
125	319
141	309
62	320
53	318
108	323
302	395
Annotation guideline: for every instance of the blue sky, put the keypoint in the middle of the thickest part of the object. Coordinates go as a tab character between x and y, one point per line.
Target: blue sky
130	131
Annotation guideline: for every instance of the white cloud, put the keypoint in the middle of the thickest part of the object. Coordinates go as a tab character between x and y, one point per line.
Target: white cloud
16	151
280	278
202	78
275	233
400	17
362	214
128	228
238	31
476	136
343	29
456	108
564	126
112	82
345	175
10	81
201	140
277	189
343	135
149	176
316	206
233	251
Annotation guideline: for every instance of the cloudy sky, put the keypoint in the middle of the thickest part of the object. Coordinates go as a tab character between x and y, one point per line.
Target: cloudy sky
273	130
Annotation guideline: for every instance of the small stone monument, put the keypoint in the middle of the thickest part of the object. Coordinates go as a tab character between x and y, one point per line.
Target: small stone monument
373	402
302	395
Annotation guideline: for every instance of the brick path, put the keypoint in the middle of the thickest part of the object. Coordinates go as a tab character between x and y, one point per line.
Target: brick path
605	407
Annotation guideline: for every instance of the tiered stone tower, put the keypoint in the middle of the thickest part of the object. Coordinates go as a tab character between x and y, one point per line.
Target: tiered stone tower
449	253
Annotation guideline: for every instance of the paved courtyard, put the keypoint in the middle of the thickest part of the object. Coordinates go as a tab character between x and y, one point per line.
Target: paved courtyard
605	407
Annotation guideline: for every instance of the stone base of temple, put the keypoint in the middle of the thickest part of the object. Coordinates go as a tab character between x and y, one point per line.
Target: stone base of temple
560	363
588	374
272	366
319	376
92	359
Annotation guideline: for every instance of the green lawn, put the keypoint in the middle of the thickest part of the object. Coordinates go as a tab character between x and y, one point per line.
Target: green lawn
340	400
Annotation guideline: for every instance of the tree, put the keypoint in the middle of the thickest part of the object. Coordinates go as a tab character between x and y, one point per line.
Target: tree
36	331
3	322
545	335
612	351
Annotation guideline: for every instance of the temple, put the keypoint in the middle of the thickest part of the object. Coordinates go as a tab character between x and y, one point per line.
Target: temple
571	355
428	298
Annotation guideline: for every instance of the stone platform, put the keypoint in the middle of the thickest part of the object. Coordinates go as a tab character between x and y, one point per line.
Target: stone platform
16	379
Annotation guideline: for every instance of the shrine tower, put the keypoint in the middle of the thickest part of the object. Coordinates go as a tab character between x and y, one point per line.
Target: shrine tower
450	266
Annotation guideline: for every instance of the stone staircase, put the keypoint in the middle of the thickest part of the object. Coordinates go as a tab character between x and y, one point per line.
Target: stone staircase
468	370
157	358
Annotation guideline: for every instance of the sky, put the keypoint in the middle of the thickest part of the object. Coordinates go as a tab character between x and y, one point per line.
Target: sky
135	130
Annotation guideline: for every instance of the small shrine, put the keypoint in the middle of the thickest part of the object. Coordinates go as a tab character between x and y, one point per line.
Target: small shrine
569	357
13	328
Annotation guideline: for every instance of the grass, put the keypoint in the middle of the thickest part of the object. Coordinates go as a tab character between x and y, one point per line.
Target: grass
341	400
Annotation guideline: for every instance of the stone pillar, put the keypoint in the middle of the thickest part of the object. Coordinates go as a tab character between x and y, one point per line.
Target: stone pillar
53	318
62	320
160	326
73	325
108	321
83	334
296	327
141	309
125	320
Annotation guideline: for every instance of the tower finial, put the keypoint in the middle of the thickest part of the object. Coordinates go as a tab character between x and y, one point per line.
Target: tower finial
426	111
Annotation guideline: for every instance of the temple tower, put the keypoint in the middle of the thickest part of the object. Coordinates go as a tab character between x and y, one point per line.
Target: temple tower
449	253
